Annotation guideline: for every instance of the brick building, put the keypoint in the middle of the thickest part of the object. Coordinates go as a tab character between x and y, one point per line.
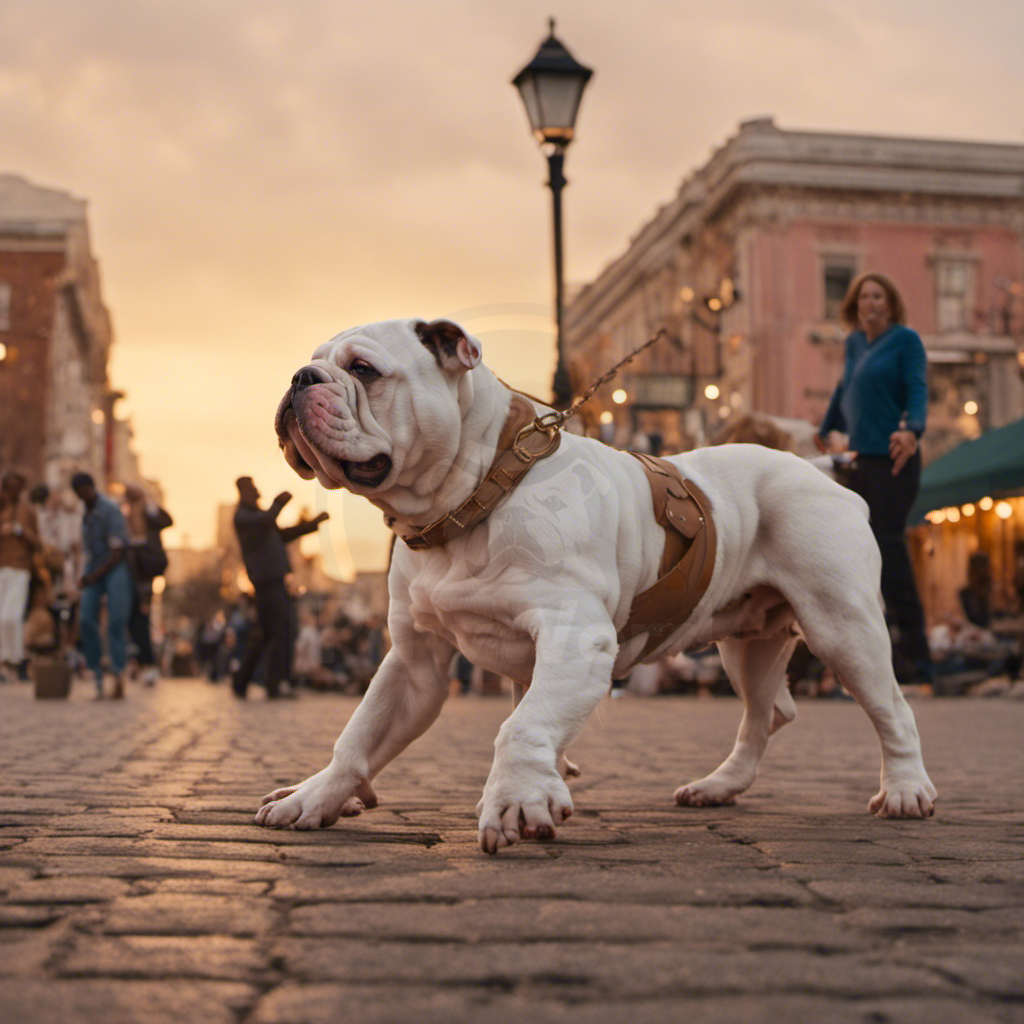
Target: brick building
747	266
56	402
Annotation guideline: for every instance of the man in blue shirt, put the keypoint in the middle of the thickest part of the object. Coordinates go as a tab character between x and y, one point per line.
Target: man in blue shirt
106	575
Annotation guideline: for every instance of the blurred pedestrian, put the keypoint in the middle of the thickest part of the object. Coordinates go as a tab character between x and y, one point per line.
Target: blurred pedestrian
19	541
106	576
147	560
266	561
881	404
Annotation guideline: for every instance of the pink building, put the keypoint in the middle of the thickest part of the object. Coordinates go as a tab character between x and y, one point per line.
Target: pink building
748	264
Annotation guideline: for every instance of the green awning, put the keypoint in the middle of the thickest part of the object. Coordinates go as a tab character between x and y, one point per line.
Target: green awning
993	465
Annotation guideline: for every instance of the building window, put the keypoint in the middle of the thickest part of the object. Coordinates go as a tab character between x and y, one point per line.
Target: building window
952	295
5	306
837	280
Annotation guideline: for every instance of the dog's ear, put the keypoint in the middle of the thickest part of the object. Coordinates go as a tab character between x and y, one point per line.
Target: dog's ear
454	350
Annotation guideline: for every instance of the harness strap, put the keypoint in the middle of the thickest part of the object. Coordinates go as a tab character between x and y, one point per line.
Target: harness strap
521	443
684	511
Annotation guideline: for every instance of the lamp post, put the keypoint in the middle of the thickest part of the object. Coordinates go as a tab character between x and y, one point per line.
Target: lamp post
551	87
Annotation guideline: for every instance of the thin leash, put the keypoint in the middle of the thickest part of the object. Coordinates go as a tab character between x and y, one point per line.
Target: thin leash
552	422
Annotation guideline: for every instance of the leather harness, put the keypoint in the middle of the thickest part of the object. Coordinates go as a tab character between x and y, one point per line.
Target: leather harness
680	507
683	510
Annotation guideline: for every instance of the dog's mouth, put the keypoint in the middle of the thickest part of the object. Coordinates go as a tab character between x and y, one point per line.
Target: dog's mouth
309	460
371	473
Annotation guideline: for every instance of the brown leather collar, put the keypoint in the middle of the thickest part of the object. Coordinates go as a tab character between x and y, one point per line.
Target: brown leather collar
524	439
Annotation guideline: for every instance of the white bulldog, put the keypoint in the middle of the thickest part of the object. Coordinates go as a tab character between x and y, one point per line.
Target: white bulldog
405	413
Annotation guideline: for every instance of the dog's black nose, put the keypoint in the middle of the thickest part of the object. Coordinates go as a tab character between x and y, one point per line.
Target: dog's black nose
306	377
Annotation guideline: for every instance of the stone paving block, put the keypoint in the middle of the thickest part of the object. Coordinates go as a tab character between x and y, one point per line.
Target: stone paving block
368	1004
712	886
188	914
156	867
10	876
989	969
154	956
103	1001
25	952
531	920
26	917
881	893
68	889
597	970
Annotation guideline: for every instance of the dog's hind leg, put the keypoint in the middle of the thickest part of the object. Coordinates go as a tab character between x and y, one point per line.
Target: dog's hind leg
847	631
757	671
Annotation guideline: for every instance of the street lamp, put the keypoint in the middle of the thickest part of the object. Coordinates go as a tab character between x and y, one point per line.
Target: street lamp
551	87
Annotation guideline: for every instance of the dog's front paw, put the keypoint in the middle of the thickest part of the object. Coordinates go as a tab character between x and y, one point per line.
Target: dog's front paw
316	803
529	806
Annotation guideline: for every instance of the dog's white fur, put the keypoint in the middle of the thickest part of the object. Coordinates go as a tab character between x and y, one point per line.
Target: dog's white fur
538	591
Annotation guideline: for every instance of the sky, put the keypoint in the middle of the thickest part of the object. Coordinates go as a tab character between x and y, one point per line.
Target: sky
262	174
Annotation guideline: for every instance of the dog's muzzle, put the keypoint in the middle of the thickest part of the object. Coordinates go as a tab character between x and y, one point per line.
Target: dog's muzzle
305	456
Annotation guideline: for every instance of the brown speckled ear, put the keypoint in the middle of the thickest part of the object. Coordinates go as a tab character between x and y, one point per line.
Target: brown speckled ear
454	350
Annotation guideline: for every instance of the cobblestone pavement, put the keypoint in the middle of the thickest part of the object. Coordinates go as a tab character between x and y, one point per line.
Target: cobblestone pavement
136	889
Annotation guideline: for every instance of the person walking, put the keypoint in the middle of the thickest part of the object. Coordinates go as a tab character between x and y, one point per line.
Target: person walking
19	540
266	561
881	403
106	575
147	560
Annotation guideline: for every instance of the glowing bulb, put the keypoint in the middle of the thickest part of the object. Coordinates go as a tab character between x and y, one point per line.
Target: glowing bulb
1004	510
985	504
714	304
606	417
971	407
711	392
686	293
968	509
936	517
3	351
953	515
619	396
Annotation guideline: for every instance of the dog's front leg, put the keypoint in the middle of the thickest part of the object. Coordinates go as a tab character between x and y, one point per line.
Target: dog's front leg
525	796
404	697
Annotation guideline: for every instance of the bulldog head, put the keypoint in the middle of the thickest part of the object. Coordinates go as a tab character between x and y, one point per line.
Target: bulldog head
379	406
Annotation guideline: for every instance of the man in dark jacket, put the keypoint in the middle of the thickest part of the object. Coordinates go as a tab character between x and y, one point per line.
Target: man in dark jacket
266	561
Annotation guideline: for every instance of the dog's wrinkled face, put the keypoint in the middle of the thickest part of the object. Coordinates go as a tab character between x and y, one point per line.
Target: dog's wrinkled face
375	404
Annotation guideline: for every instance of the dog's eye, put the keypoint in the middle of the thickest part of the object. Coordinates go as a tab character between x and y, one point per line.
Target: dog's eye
553	503
363	370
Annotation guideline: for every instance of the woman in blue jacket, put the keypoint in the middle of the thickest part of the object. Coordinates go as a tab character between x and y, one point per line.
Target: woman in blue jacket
881	404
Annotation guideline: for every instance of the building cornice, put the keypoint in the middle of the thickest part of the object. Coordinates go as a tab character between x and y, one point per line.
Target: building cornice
846	175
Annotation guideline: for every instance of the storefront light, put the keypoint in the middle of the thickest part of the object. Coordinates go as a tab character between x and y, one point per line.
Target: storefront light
711	392
619	396
1004	510
953	515
971	407
967	510
985	504
607	417
936	517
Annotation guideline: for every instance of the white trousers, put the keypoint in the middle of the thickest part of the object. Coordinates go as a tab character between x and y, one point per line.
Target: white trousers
13	599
